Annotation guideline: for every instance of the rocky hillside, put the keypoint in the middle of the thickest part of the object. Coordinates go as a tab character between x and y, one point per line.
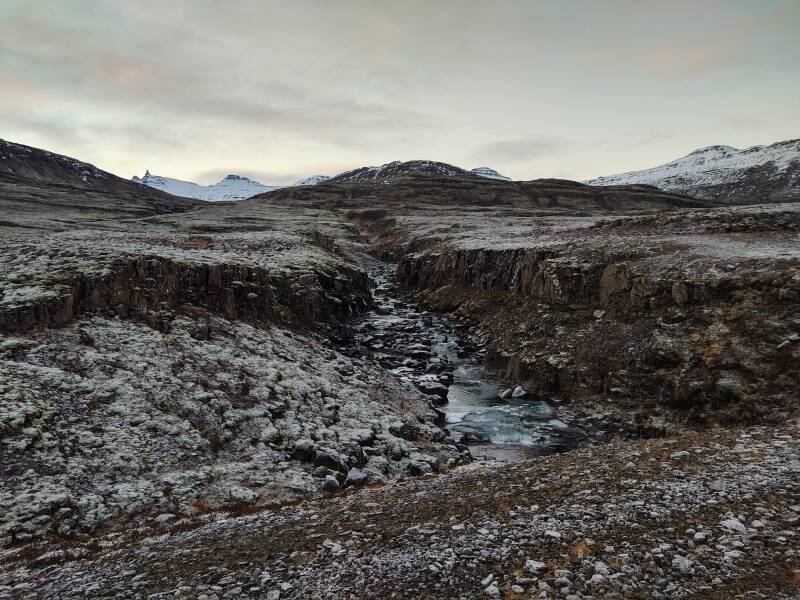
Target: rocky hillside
554	196
750	176
710	515
38	186
397	171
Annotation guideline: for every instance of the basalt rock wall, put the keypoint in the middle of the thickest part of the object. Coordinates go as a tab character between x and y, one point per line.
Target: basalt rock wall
234	291
707	347
562	281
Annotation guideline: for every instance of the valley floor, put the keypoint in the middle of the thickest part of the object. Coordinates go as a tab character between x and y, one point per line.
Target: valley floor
701	515
180	417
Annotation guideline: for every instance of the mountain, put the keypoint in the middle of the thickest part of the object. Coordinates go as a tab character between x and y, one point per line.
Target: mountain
398	170
236	187
750	176
71	190
439	184
313	180
489	173
233	187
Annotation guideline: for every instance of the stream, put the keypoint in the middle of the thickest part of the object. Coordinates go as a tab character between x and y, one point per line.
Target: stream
443	358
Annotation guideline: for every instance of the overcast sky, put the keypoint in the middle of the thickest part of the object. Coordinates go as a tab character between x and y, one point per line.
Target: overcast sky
280	90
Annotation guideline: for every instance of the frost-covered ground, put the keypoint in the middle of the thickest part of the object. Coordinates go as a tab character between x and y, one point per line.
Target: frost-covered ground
702	515
33	266
107	420
171	365
179	418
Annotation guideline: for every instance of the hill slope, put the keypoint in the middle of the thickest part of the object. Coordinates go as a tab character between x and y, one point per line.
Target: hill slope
441	184
37	186
750	176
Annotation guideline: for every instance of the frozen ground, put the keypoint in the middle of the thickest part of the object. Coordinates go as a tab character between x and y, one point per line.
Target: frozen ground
711	515
180	420
107	421
191	369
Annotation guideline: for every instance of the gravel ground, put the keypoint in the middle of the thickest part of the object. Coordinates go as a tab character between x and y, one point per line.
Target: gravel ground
701	515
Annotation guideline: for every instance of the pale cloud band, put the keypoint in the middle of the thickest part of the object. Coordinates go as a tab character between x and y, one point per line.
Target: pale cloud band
284	89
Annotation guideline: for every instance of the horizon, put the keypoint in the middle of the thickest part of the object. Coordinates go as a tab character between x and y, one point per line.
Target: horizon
278	92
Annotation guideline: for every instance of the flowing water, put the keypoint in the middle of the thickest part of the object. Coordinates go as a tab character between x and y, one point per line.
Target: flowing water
440	355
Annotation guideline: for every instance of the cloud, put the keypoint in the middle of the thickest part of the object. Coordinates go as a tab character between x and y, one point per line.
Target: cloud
17	92
271	88
519	149
220	93
671	59
741	123
713	48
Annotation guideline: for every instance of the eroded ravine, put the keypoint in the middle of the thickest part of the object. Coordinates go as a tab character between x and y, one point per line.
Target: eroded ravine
444	358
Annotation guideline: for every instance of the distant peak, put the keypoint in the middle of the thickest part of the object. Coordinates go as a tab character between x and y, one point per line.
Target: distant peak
488	173
718	148
313	180
237	178
147	173
724	173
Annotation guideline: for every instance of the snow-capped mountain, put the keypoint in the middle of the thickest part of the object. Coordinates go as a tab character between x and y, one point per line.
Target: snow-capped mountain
399	169
489	173
749	176
233	187
236	187
313	180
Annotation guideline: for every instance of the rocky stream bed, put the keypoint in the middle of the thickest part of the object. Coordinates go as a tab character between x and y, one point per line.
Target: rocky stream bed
444	357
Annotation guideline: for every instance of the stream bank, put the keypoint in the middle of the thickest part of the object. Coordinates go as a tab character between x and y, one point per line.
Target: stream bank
444	358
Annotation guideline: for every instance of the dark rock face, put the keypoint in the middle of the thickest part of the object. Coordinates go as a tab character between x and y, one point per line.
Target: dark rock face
236	292
551	279
755	185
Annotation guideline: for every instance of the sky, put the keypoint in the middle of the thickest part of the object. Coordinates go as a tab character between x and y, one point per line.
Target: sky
280	90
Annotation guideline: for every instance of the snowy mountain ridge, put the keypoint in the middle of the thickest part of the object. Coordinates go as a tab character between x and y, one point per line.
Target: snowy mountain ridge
398	169
237	187
313	180
232	187
390	171
752	175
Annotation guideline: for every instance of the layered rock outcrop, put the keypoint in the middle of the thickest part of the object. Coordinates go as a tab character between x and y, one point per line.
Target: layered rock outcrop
155	283
628	321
